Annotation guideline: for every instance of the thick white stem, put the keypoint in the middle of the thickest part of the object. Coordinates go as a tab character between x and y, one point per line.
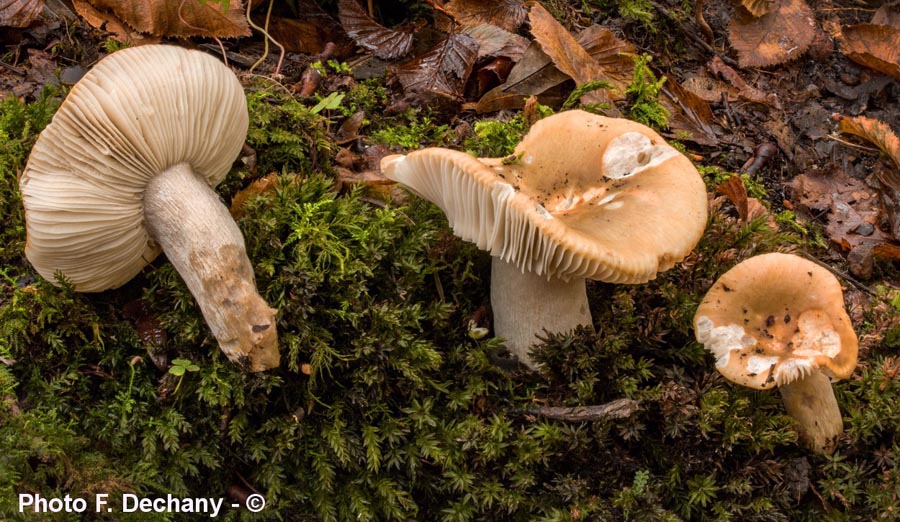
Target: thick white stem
525	305
185	216
811	402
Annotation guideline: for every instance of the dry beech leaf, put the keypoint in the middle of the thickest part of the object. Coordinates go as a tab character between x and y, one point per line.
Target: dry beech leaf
19	13
107	22
781	35
882	136
708	88
691	115
566	53
535	75
494	41
748	208
887	15
383	42
443	70
875	46
177	19
757	7
852	216
505	14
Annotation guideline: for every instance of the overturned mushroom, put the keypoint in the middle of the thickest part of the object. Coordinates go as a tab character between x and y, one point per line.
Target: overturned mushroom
126	169
582	197
779	320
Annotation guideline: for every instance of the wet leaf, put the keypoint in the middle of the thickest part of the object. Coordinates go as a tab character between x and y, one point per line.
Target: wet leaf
744	89
875	46
383	42
748	208
781	35
310	33
882	136
443	70
174	19
494	41
106	22
566	53
757	7
691	116
505	14
19	13
708	88
887	15
852	212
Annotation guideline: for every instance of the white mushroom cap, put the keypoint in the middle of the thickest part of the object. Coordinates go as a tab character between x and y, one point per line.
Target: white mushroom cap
136	113
774	319
585	197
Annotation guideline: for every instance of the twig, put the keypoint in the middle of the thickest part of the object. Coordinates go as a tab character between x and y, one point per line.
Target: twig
851	144
707	30
617	409
850	279
265	32
192	26
12	68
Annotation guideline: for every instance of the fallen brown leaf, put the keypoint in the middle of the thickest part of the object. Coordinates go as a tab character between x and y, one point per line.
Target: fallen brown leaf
744	89
443	70
882	136
875	46
19	13
383	42
505	14
107	22
566	53
748	208
852	216
782	34
691	117
494	41
181	19
887	15
708	88
757	7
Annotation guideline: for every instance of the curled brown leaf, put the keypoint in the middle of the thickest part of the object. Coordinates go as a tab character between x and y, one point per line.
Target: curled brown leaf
383	42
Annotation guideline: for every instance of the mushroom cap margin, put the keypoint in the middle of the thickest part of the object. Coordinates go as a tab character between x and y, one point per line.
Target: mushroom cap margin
775	318
138	112
557	209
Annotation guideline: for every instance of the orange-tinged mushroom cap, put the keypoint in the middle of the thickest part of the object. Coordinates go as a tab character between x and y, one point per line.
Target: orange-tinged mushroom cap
774	319
583	196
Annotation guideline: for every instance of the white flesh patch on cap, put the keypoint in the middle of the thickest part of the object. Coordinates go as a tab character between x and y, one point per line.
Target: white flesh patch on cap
815	338
722	340
632	152
757	364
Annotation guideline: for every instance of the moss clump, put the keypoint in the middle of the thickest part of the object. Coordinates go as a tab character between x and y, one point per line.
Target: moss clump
20	125
385	408
643	95
292	136
412	130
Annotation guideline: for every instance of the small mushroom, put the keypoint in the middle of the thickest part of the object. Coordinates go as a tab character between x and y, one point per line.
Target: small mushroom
779	320
582	197
126	169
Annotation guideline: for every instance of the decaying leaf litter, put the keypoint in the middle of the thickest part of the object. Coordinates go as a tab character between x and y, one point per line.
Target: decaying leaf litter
798	99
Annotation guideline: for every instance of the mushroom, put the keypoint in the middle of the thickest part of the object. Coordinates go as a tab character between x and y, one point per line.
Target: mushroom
779	320
582	197
126	169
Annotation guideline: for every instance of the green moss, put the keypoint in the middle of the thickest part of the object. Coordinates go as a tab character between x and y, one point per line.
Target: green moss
411	131
643	95
384	407
20	125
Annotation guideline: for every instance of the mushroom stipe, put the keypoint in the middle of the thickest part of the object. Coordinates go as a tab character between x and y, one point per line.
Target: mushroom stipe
588	197
125	170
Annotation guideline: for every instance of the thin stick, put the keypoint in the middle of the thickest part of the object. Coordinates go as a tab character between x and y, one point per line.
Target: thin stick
850	279
192	26
265	31
617	409
851	144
